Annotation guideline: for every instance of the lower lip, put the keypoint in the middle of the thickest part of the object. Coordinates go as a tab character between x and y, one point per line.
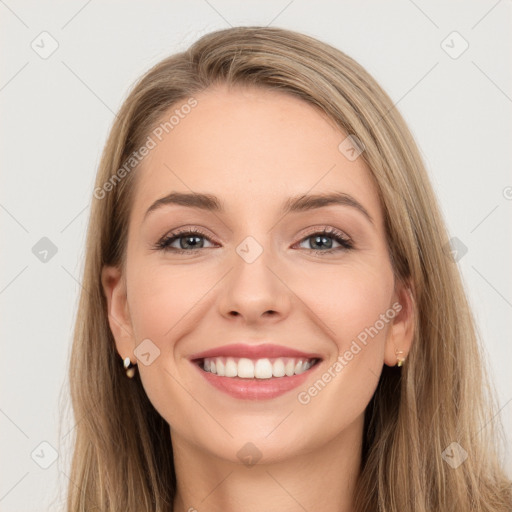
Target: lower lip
256	389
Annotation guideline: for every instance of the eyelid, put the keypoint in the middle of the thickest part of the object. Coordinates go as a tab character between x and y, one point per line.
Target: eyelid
327	230
344	240
178	232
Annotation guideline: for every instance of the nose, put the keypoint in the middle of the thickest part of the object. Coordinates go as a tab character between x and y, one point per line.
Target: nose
254	292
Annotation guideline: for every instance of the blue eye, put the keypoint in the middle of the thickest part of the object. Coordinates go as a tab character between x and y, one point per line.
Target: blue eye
324	239
192	240
189	241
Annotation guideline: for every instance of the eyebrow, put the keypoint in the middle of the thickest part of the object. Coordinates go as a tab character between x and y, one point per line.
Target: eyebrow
295	204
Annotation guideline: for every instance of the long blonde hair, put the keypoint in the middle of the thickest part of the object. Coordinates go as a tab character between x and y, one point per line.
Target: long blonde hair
122	457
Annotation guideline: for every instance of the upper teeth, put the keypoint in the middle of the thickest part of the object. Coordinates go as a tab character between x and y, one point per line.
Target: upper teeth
259	368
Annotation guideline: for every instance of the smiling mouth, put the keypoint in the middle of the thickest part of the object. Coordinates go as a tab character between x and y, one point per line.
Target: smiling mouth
259	369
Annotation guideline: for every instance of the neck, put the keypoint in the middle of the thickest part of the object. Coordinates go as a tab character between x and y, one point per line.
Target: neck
323	479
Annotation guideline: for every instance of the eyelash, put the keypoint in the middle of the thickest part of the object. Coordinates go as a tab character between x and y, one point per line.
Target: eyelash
164	243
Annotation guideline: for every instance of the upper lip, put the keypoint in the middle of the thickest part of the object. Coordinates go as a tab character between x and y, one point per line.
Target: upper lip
261	351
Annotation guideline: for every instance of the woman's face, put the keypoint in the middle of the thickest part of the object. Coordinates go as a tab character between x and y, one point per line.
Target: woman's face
264	267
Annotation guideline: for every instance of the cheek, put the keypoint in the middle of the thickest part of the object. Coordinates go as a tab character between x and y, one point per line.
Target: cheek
353	305
334	303
348	299
345	301
161	300
161	297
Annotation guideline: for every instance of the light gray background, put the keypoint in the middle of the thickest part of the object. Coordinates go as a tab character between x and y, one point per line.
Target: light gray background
56	113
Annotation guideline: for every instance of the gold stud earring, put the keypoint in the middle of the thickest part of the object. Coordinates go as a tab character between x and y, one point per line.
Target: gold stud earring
129	367
399	357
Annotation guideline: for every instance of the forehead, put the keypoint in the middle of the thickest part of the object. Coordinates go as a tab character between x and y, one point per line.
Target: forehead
253	148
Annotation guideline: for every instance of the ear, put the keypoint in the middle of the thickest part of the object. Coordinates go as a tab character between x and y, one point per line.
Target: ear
401	331
114	286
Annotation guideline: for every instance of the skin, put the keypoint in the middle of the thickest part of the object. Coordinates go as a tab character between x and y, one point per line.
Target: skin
253	149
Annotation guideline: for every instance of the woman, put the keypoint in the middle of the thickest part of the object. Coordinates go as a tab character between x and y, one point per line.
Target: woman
270	318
